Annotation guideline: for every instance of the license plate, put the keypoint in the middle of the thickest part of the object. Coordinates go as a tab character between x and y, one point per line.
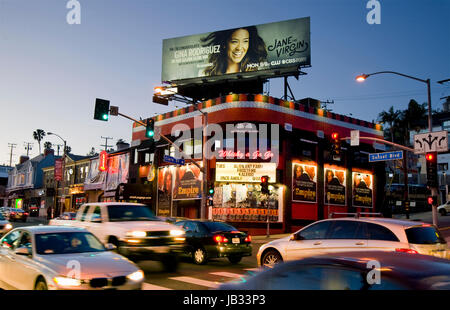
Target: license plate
236	240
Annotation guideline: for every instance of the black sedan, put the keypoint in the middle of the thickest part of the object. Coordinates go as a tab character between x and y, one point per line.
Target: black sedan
209	239
375	270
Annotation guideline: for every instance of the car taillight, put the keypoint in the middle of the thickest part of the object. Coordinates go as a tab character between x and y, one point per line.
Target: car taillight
26	213
220	239
410	251
13	213
248	239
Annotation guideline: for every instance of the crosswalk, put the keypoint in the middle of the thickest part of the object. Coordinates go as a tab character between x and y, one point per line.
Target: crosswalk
221	277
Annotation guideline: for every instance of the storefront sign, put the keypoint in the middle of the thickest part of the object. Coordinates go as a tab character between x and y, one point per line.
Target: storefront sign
58	169
304	182
133	192
362	189
245	172
335	185
263	48
103	161
248	155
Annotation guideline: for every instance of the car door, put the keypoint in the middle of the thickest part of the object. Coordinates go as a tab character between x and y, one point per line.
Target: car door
82	219
23	269
7	246
346	235
382	238
309	241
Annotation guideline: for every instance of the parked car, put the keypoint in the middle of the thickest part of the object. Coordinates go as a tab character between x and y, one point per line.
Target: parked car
444	208
34	211
352	271
209	239
61	257
18	214
5	225
355	234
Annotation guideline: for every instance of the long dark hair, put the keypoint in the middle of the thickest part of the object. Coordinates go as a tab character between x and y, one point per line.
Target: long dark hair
256	52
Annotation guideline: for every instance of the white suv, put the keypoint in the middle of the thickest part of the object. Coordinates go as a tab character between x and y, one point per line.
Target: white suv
355	234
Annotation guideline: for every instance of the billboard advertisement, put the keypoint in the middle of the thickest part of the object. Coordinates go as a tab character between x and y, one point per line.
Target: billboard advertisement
95	178
362	189
304	181
247	51
117	171
335	185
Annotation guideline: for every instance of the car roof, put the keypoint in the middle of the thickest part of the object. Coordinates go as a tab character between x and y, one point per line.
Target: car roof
44	229
381	220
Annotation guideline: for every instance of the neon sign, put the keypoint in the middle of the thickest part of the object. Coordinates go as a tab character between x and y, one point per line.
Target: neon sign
241	155
103	161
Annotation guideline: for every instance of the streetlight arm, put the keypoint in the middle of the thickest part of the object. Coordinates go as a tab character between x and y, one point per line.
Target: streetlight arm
393	72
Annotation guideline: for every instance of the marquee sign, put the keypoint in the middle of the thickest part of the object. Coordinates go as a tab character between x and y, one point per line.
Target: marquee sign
245	172
103	164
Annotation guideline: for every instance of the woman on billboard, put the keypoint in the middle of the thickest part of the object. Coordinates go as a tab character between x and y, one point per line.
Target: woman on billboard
239	47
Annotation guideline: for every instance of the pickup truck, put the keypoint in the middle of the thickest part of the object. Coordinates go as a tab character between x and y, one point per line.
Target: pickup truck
133	229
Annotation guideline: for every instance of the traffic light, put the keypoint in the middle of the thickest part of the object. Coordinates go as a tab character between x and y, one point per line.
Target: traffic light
432	175
265	185
432	200
150	128
211	190
335	146
101	112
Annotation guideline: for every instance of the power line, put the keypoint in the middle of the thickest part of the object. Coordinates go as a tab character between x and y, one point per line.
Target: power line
28	147
12	146
106	142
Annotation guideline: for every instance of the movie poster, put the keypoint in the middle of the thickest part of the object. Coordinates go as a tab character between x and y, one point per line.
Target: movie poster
241	50
304	182
117	171
165	177
335	186
362	189
188	182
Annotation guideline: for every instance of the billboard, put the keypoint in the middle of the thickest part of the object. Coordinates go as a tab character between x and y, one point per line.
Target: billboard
362	189
304	181
246	51
335	185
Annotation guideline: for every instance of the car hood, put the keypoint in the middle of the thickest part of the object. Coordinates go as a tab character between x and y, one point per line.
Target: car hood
91	265
144	225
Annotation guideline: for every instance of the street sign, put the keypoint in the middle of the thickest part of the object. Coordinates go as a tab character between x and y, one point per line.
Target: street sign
354	134
385	156
431	142
113	110
173	160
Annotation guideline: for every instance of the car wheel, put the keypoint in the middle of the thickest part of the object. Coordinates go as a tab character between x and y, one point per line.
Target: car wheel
271	258
199	256
41	285
235	259
170	263
443	212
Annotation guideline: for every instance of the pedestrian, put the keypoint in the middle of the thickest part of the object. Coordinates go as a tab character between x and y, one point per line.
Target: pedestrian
49	213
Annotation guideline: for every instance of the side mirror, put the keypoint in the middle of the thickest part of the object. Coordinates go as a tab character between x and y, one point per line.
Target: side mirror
296	237
96	220
22	251
110	247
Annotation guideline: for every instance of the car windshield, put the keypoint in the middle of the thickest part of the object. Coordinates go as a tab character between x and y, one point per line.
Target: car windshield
121	213
218	226
67	243
424	235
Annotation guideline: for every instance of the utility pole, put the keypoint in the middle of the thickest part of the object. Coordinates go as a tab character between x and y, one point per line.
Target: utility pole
12	146
325	105
28	147
58	146
106	142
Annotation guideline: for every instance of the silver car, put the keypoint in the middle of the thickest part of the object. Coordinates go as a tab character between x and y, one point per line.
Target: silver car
61	257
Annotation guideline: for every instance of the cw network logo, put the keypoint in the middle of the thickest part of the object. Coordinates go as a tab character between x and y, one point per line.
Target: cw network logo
246	140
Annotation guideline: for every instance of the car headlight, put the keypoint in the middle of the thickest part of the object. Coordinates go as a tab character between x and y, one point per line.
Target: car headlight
136	234
136	276
67	282
8	226
176	233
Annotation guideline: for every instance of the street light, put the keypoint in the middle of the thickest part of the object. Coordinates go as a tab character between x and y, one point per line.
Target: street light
63	183
363	77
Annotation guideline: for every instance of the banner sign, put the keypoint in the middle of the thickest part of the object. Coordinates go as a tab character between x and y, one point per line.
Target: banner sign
362	189
117	171
304	182
165	177
245	172
95	178
243	50
335	185
188	182
58	169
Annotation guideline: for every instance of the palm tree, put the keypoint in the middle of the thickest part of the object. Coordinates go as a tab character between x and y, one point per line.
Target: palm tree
38	135
390	117
48	145
68	149
412	118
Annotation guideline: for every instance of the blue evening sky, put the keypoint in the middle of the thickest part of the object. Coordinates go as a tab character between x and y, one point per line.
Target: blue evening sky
51	72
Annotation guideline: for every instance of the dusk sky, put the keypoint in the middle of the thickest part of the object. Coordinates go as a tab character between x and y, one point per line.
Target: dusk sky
51	72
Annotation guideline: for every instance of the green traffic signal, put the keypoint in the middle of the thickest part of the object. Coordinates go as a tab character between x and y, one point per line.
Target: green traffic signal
101	109
150	128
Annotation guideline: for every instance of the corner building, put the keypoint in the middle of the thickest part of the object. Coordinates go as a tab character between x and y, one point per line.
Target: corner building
306	182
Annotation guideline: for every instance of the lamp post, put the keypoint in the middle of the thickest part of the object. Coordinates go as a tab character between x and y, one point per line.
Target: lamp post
63	179
363	77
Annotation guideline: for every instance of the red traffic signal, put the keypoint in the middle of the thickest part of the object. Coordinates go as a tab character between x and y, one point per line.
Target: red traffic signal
264	179
432	200
430	156
335	136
